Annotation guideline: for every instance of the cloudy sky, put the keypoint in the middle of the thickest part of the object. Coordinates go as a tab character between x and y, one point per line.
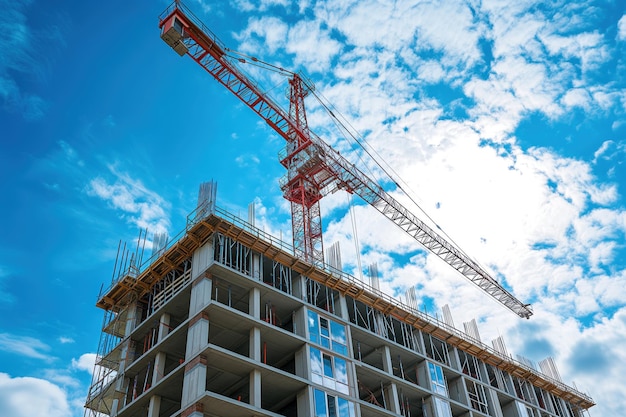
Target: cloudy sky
504	120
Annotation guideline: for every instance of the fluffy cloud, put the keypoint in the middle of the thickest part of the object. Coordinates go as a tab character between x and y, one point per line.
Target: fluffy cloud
85	362
542	221
26	396
58	392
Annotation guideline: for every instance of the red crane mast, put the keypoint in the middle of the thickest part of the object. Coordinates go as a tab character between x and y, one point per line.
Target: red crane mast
314	169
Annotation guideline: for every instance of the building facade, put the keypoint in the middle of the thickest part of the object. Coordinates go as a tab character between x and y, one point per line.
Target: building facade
225	321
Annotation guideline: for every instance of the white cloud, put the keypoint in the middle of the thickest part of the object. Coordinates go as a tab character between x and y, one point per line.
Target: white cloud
25	346
85	362
270	29
26	397
610	150
621	28
141	206
541	220
577	97
62	378
589	48
306	36
65	340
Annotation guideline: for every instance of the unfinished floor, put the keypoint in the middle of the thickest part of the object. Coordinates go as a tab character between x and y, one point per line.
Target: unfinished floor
225	321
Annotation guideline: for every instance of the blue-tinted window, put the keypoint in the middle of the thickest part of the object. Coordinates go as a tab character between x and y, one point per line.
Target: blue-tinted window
328	365
341	371
327	333
338	336
320	404
330	406
314	327
346	408
437	379
329	371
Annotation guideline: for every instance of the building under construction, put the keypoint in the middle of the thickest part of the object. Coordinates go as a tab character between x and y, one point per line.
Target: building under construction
226	320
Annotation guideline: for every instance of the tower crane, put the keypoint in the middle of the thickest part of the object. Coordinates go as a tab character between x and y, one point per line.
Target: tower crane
314	168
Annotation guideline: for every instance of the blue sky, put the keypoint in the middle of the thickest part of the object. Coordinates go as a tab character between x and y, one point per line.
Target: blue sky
506	119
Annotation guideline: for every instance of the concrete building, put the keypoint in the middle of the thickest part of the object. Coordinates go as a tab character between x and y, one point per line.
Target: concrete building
225	321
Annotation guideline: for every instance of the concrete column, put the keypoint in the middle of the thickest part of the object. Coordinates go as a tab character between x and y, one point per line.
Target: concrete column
391	395
155	406
127	350
255	344
131	318
201	260
256	267
194	381
254	303
200	294
115	404
164	326
159	368
343	308
255	388
455	360
492	399
197	335
391	392
299	287
387	364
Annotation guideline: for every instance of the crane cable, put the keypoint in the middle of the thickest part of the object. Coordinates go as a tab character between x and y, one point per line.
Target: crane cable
355	236
252	60
329	109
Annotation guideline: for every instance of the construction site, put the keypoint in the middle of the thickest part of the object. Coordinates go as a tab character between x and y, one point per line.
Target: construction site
226	320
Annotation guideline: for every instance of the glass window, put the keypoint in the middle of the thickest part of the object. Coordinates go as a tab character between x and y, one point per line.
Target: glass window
178	26
320	404
443	408
330	406
437	379
327	333
329	371
338	332
328	365
316	366
314	329
341	371
346	408
324	333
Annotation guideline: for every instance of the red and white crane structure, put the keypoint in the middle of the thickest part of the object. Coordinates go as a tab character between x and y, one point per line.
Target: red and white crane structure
314	168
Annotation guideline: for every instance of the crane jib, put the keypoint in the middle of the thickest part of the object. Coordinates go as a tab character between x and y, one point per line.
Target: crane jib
314	167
